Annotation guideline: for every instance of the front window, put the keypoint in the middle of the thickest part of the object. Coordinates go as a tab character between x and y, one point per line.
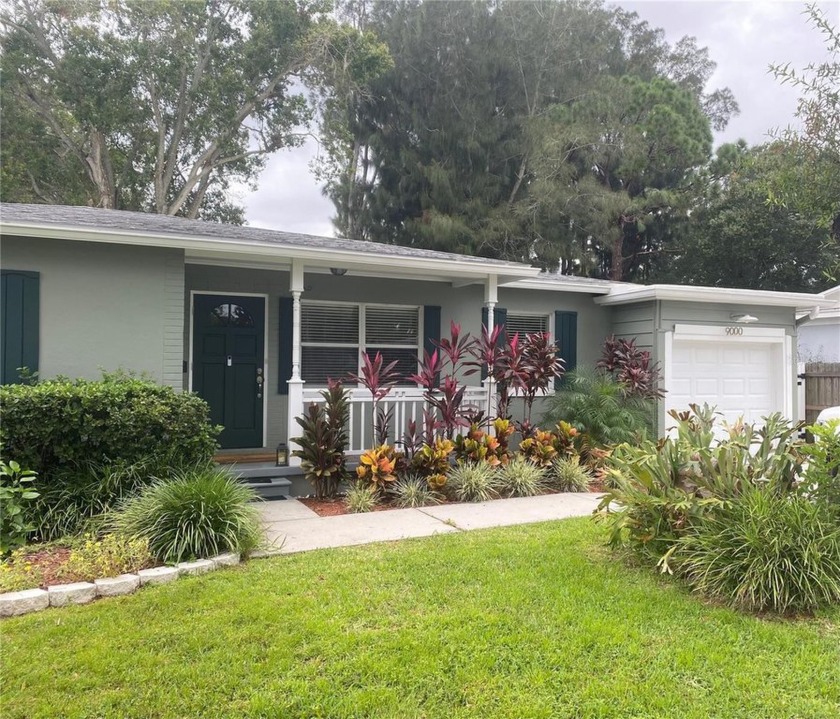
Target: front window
333	337
525	324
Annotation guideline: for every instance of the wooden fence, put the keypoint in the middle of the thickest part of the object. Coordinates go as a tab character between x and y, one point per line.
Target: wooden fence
822	387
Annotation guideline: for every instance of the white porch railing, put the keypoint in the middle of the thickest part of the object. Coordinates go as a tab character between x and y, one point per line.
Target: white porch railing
405	403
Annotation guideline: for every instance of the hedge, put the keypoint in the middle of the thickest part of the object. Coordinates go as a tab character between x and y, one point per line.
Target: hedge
58	424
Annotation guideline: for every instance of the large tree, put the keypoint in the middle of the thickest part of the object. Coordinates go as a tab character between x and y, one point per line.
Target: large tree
451	144
735	238
810	184
156	105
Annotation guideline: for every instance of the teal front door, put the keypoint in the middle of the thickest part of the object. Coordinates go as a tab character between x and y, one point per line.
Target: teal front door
228	368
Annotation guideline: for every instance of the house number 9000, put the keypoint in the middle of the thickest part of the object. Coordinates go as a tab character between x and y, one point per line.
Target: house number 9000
735	331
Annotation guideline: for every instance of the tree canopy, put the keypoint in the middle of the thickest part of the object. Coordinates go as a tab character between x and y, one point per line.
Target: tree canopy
155	105
561	133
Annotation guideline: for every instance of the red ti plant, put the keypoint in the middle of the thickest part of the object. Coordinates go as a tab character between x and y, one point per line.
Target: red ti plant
379	379
444	399
486	353
456	347
542	366
632	367
510	373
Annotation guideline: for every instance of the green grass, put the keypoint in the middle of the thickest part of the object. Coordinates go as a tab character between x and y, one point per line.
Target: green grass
535	621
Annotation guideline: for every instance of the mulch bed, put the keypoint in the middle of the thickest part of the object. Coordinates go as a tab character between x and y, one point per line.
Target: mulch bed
48	564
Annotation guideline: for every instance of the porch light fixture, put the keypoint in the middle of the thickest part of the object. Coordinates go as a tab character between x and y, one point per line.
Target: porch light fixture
338	271
282	455
743	319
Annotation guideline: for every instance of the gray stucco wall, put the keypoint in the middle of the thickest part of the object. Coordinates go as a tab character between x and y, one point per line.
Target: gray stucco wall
108	306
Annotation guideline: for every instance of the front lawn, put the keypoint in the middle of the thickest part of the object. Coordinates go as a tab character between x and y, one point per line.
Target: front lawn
533	621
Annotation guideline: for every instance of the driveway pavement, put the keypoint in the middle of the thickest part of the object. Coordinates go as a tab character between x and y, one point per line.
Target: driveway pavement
293	527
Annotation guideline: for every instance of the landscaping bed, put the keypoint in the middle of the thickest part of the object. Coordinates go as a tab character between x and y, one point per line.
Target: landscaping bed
531	621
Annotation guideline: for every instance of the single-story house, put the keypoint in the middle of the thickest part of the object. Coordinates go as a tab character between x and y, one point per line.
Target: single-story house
255	320
819	331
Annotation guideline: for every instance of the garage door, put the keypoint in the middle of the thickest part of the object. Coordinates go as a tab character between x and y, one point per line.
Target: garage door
740	379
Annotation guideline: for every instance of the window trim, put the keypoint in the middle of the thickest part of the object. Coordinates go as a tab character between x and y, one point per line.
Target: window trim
361	345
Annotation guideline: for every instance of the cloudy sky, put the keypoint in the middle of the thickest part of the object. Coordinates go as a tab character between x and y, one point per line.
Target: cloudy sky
743	37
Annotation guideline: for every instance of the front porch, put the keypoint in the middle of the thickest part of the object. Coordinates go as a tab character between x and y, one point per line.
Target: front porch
275	335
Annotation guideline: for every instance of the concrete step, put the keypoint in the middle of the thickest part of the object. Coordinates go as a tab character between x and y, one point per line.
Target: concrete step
271	488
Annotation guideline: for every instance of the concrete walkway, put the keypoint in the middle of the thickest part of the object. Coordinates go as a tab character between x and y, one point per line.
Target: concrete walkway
293	527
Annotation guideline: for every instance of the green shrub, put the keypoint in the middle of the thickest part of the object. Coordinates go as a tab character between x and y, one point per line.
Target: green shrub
520	478
414	491
15	505
473	482
568	475
78	499
764	551
109	556
59	424
661	489
601	408
361	498
821	479
197	514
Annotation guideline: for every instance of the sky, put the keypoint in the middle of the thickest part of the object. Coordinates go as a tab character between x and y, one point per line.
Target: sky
743	36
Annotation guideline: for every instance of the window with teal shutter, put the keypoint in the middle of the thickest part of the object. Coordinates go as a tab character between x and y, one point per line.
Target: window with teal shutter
19	323
565	337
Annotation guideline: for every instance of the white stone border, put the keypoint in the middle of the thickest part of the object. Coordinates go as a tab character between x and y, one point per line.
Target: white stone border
13	604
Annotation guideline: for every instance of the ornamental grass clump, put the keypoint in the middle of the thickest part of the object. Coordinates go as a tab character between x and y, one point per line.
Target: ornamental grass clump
567	474
521	478
474	482
414	491
361	498
196	514
764	551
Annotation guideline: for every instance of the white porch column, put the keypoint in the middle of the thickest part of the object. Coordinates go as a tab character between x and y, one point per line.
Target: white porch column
295	396
491	297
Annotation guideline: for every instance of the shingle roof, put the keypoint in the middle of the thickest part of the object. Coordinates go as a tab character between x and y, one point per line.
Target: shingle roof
153	224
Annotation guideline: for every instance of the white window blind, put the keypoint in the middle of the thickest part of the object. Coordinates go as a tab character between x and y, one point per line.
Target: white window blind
525	324
333	337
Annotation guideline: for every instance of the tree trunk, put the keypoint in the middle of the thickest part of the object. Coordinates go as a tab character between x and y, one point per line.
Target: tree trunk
100	170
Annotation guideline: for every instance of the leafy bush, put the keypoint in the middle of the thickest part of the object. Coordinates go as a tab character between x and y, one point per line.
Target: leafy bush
56	424
631	366
479	446
414	491
474	482
78	499
600	407
821	479
15	505
378	466
521	478
568	475
764	551
324	440
196	514
663	488
361	498
109	556
431	459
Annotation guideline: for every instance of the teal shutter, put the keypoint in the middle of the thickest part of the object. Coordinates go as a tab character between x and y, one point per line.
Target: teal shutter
431	330
285	318
565	336
499	318
19	323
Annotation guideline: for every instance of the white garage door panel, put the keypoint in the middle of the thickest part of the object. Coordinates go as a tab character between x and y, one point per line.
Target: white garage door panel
738	380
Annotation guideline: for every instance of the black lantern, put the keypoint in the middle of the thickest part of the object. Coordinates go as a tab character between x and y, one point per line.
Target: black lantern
282	455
